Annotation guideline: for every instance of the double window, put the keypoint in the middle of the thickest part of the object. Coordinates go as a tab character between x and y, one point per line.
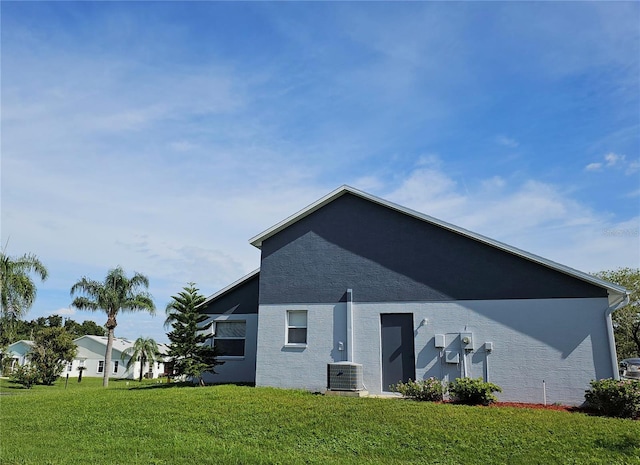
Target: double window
101	366
229	338
296	327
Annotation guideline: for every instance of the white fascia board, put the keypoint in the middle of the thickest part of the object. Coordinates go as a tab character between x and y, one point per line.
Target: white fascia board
616	292
256	241
230	287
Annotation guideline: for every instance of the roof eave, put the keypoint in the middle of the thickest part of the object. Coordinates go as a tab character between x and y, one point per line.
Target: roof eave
256	241
228	288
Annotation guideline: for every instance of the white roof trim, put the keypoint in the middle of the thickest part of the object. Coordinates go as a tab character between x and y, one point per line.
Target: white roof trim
260	238
230	286
120	344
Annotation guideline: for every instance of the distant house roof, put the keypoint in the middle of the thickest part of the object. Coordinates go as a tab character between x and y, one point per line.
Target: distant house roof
120	344
616	293
15	345
22	341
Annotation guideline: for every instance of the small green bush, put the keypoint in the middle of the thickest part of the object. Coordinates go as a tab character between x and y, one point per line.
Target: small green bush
615	398
430	389
26	375
472	391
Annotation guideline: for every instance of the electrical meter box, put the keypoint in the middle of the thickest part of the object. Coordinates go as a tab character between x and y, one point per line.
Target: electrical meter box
452	356
439	341
466	340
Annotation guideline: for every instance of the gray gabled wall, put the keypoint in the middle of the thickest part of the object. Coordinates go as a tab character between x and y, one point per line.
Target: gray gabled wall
239	303
392	257
241	299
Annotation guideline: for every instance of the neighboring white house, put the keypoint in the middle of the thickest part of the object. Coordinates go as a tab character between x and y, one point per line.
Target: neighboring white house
90	355
356	281
91	351
17	353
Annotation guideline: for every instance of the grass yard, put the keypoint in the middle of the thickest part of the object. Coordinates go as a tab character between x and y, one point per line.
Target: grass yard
165	424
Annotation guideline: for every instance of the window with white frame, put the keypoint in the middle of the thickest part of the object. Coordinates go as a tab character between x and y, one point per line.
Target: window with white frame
101	366
229	338
69	366
297	327
115	366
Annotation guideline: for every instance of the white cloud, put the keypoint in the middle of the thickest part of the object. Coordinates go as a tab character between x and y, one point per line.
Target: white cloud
429	160
633	194
507	142
182	146
613	159
63	311
493	183
632	167
368	183
534	216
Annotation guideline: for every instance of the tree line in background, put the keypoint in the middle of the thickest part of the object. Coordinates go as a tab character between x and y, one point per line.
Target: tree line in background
190	350
53	336
26	330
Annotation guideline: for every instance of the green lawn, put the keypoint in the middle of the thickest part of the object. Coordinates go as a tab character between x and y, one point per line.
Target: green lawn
165	424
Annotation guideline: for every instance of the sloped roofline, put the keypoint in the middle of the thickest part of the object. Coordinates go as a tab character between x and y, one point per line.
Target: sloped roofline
616	292
102	340
26	341
230	287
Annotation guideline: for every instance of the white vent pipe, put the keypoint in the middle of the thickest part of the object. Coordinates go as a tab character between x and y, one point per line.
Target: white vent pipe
350	325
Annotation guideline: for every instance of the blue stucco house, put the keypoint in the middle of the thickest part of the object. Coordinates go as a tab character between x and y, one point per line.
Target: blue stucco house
355	278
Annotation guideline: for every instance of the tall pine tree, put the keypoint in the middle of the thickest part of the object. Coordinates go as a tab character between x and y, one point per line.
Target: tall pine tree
190	349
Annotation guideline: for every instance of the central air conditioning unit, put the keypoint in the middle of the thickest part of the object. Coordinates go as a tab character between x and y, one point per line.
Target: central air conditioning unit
344	376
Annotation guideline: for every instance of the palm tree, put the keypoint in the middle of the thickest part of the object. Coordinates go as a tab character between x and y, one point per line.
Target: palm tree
16	286
144	349
116	293
17	289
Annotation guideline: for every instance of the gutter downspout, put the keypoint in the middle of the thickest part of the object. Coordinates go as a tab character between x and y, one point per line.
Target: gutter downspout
349	325
612	341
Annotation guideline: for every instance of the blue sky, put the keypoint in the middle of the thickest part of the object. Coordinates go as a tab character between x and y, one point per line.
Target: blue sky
162	136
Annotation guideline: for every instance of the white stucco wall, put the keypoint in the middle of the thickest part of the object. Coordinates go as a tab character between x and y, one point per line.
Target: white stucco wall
561	341
90	353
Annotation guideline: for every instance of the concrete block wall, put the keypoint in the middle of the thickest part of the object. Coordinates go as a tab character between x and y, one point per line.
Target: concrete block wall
561	341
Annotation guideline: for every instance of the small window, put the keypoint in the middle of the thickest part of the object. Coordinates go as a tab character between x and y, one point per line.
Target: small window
101	366
115	366
229	338
69	366
296	327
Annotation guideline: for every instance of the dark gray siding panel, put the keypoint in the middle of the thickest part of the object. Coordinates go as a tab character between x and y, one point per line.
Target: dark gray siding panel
242	299
387	256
